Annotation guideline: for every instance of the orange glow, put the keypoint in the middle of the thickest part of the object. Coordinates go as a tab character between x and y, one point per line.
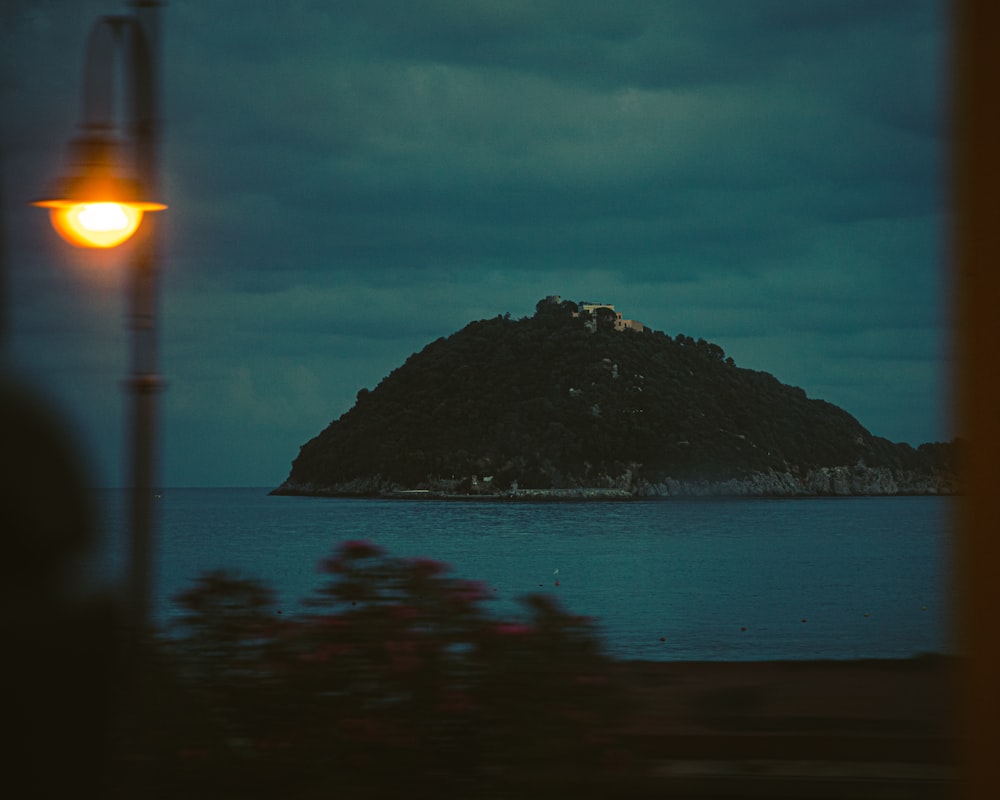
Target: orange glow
97	202
96	224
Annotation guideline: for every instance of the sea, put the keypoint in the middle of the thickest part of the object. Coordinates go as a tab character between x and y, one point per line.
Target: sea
667	579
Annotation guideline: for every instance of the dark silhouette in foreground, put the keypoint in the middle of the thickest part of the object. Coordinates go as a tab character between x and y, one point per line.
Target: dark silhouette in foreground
395	681
60	669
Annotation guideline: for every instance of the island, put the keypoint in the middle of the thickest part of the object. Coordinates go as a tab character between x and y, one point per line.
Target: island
577	401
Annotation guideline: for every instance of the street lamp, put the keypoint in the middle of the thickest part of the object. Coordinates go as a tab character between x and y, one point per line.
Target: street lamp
97	204
107	189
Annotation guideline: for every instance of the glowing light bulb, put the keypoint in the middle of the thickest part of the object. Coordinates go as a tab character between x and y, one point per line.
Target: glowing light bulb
96	224
105	217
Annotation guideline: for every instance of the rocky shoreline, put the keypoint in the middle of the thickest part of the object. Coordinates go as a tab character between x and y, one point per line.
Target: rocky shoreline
857	481
820	482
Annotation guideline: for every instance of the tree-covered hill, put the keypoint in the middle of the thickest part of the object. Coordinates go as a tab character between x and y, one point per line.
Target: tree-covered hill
563	400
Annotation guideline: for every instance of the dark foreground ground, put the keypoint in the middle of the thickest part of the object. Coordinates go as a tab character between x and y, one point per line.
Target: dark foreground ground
830	729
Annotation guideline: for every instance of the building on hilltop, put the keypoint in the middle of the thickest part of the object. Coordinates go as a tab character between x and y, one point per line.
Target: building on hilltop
590	311
620	323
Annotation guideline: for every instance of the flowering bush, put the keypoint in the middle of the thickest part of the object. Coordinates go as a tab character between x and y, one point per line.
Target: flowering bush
395	682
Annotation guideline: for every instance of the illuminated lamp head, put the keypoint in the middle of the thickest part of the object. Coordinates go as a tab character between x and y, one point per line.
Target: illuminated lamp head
95	205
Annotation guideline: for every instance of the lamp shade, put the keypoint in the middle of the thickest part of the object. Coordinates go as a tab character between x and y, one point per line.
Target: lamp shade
97	203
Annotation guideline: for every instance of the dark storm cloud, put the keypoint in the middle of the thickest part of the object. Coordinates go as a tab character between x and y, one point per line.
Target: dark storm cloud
349	181
455	132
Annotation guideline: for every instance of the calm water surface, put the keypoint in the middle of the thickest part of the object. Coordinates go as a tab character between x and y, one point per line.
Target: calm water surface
719	580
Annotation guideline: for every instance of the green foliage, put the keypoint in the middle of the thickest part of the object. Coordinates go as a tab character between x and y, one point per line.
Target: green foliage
395	683
548	403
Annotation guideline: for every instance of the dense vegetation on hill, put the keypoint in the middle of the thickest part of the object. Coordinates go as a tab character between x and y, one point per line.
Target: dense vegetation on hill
558	400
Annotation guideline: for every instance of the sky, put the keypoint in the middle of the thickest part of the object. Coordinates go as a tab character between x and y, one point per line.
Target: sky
349	181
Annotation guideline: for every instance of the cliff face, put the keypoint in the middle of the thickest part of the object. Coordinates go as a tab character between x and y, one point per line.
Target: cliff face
820	482
569	406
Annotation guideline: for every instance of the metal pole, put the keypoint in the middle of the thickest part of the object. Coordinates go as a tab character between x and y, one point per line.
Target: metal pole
144	382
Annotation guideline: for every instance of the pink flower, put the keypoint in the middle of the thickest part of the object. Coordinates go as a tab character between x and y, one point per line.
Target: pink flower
324	653
469	591
333	565
427	567
404	612
329	624
360	548
513	629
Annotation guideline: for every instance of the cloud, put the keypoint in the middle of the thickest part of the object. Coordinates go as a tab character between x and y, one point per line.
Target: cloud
349	181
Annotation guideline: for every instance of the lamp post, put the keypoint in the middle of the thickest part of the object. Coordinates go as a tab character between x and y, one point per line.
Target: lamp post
101	201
